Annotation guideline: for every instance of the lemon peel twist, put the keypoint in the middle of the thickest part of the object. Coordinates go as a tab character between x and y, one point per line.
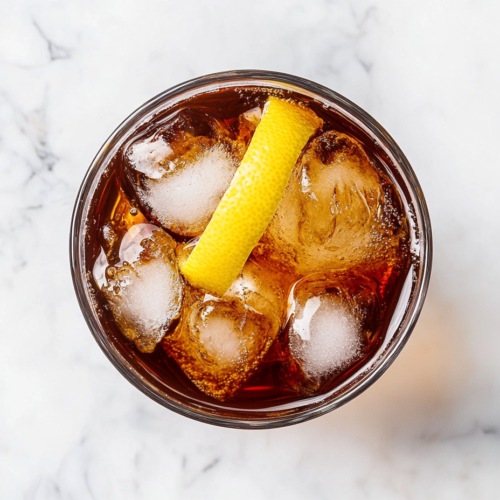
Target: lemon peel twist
253	196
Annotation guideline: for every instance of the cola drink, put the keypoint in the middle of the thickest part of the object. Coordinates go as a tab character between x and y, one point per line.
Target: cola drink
314	301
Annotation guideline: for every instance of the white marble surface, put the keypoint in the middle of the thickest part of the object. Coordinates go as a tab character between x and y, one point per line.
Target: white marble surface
71	427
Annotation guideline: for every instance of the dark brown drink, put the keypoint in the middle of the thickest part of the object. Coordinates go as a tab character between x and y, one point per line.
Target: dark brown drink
312	305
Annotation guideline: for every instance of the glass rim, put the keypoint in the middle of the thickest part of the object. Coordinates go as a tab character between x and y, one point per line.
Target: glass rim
369	125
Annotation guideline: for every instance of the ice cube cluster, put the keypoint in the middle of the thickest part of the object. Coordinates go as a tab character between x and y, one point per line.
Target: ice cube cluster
297	296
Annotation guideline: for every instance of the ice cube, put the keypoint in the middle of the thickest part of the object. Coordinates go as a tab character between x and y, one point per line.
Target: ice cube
219	343
115	224
150	156
99	269
144	290
333	319
247	123
326	338
180	173
252	116
185	198
338	211
132	244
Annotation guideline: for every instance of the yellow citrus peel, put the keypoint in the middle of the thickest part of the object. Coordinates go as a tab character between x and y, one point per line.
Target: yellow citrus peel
253	196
